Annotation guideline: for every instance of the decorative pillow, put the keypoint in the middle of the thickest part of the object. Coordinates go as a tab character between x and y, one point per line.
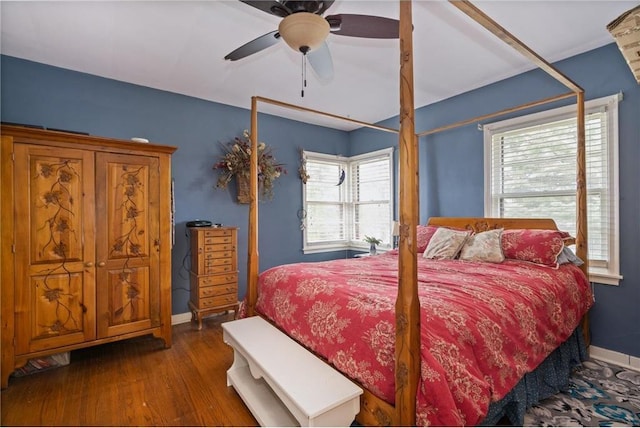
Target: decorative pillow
483	247
423	236
445	243
568	256
533	245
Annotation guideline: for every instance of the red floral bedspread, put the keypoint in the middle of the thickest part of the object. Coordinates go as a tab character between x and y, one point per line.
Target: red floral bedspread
483	325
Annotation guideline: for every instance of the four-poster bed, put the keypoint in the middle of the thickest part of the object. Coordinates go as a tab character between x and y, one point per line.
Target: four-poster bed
407	364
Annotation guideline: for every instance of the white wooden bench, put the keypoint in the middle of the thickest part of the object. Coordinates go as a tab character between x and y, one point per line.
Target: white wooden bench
282	383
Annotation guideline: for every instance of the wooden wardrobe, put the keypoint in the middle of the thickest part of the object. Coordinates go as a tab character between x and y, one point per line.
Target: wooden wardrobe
86	242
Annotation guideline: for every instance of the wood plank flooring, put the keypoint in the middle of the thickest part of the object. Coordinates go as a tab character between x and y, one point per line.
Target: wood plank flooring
135	382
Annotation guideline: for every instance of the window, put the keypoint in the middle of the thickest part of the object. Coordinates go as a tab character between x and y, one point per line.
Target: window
338	216
530	171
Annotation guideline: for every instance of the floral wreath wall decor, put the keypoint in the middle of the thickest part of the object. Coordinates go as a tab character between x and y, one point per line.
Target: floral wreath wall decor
302	169
236	161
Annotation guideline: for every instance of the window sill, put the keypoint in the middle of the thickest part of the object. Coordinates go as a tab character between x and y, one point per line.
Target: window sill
323	250
604	278
329	249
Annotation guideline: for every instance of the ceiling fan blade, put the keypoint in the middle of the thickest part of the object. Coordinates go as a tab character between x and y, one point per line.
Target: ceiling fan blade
270	6
372	27
255	45
321	62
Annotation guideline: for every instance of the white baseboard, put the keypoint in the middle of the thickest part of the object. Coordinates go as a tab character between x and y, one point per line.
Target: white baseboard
613	357
181	318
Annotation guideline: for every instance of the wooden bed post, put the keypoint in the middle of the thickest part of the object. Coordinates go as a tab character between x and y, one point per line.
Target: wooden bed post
581	202
581	190
407	349
252	251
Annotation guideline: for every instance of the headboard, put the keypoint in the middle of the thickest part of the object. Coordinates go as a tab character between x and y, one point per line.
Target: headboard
481	224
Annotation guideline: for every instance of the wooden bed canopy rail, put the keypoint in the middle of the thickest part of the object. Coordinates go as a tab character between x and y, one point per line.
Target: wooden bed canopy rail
506	111
375	411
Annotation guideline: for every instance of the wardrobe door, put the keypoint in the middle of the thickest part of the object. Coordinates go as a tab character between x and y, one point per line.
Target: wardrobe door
55	248
127	238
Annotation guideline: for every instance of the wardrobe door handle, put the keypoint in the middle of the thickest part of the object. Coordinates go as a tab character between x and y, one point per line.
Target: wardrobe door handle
102	264
88	264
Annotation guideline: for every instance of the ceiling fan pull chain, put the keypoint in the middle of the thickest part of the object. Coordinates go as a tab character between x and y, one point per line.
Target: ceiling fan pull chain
304	74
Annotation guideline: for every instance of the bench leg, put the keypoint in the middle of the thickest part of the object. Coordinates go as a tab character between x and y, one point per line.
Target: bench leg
239	362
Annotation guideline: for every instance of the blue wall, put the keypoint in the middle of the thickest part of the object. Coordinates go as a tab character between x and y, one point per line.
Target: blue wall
451	163
38	94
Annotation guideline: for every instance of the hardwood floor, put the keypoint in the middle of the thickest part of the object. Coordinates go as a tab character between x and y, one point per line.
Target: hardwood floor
135	382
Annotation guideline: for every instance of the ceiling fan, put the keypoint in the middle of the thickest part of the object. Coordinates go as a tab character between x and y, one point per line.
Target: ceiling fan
304	29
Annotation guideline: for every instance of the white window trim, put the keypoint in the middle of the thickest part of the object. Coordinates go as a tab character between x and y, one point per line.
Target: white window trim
347	244
610	276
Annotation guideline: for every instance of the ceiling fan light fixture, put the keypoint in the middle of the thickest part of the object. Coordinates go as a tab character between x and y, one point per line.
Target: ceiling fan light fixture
304	31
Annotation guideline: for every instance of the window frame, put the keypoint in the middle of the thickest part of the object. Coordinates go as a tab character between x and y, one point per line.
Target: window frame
609	274
347	201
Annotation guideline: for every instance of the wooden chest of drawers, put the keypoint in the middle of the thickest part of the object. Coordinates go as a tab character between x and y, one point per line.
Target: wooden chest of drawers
214	271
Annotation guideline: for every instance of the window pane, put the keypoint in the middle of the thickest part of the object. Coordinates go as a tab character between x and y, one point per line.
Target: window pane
518	155
561	208
321	185
325	223
533	174
372	220
371	180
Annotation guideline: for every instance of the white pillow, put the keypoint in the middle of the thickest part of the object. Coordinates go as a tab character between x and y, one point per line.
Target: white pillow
483	247
446	243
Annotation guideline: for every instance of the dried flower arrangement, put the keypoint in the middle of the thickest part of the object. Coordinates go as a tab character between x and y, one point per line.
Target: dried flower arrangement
236	162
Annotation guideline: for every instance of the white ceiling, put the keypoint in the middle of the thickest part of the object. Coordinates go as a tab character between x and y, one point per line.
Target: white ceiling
178	46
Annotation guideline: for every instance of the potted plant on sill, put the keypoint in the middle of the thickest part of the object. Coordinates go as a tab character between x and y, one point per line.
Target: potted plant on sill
372	241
